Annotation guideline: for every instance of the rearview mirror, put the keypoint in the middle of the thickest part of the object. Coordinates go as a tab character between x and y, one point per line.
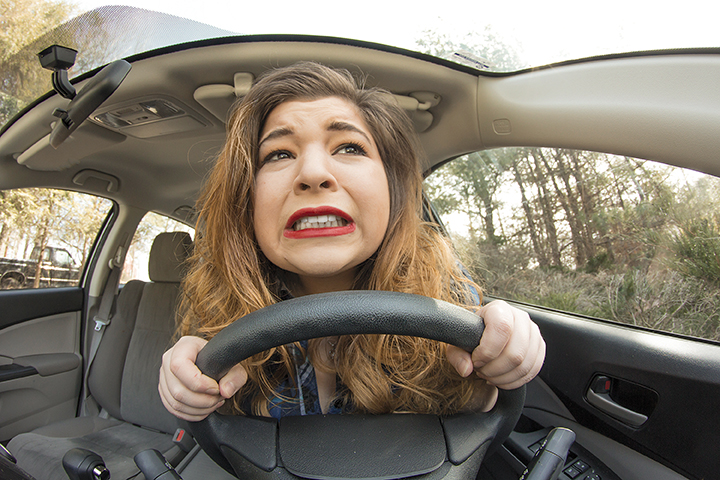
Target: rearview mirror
88	99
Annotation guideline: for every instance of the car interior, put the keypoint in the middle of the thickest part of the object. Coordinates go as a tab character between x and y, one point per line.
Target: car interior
70	379
141	328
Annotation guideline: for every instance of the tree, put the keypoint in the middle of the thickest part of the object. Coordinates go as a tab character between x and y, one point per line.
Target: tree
592	233
545	205
567	200
484	44
100	36
29	26
469	185
21	23
38	217
530	223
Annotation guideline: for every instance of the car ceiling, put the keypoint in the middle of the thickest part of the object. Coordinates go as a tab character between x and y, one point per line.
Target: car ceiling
661	106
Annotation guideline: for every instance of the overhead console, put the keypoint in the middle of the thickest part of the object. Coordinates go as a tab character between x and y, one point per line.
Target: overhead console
148	117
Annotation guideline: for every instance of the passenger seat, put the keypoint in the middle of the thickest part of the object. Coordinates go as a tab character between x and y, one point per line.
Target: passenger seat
123	378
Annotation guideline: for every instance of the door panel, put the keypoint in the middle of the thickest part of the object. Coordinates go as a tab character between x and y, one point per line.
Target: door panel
544	409
37	400
40	361
681	374
17	306
623	461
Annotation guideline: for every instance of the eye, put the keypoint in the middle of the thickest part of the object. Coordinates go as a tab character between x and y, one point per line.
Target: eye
276	155
351	149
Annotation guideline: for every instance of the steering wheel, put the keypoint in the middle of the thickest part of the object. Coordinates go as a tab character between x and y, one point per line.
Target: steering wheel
326	447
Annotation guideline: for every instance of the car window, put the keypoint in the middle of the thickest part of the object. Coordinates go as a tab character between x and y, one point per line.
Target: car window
46	236
136	260
605	236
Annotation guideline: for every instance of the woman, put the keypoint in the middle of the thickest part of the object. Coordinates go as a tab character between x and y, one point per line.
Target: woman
318	189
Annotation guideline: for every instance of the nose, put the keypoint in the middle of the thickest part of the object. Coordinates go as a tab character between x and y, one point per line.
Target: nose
314	172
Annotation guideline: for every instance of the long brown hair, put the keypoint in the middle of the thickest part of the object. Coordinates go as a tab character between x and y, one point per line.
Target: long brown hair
230	277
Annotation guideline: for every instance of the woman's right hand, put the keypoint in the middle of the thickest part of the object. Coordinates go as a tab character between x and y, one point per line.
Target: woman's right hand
185	391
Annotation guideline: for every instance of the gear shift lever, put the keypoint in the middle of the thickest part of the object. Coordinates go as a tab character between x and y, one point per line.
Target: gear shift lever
81	464
550	458
154	466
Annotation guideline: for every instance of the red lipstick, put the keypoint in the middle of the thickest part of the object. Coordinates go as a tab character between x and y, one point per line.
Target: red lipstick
290	231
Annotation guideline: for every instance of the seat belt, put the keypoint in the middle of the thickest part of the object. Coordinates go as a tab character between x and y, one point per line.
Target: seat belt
102	320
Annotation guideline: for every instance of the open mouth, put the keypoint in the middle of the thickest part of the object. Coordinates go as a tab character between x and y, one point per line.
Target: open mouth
319	221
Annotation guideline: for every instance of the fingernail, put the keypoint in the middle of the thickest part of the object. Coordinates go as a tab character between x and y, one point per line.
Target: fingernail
230	387
467	368
212	391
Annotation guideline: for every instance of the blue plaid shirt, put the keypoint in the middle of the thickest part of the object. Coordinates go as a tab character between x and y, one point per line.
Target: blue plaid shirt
302	399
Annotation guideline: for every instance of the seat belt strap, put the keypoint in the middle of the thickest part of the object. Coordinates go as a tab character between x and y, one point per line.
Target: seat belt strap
104	315
102	320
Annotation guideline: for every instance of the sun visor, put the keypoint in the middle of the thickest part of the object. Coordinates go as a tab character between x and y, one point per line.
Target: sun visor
84	141
218	99
417	106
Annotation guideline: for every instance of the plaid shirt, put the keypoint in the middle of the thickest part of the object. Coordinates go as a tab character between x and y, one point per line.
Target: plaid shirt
301	398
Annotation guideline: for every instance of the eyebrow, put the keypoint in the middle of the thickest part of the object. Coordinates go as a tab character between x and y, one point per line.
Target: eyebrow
338	126
335	126
278	132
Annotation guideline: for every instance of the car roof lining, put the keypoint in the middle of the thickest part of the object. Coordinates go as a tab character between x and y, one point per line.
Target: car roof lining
595	105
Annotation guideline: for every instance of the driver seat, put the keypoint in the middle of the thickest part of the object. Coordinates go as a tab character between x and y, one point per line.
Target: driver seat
123	379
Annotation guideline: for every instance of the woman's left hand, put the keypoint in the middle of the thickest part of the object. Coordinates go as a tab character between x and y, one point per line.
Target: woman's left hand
511	350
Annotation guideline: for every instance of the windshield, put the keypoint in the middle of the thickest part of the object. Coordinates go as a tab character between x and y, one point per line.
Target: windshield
498	37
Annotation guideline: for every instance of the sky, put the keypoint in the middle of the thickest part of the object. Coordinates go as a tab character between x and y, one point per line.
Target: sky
542	31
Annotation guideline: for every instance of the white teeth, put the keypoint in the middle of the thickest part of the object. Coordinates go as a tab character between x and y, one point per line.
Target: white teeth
320	221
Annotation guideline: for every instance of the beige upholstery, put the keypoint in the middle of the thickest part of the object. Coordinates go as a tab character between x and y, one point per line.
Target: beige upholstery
167	256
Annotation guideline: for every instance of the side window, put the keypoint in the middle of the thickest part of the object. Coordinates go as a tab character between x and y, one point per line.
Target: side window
46	236
605	236
138	256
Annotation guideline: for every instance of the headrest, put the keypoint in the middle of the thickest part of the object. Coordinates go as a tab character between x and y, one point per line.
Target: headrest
167	256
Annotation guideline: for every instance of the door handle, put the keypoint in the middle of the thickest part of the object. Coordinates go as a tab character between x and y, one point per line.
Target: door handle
598	395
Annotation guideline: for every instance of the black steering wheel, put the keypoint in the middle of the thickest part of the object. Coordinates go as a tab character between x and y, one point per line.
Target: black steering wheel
351	446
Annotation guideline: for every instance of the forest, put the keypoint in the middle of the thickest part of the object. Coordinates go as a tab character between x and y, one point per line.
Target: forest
605	236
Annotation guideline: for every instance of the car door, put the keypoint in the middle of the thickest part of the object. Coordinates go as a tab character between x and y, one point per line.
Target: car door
41	328
642	403
40	355
615	259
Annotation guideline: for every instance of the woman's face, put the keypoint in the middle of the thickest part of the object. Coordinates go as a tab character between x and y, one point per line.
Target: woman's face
322	202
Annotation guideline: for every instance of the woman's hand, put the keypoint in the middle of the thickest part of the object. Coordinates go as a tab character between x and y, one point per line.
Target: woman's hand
511	350
185	391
